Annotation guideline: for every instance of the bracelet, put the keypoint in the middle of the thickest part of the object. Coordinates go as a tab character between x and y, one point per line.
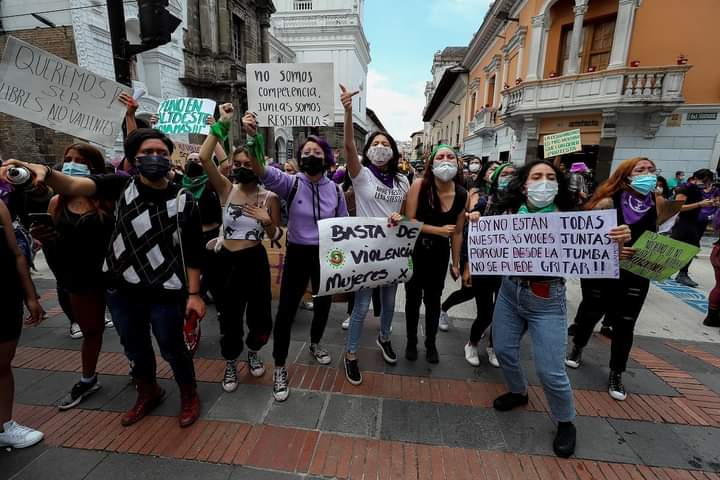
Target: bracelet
192	294
48	172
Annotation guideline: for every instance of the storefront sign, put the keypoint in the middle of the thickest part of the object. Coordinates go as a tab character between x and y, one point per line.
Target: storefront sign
185	115
550	245
699	116
658	257
562	143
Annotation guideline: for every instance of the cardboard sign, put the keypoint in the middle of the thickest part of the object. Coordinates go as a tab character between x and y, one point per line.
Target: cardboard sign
42	88
185	115
562	143
361	252
561	244
276	258
291	94
181	152
658	257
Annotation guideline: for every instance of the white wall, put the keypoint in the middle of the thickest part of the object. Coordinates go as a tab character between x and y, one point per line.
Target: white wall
15	7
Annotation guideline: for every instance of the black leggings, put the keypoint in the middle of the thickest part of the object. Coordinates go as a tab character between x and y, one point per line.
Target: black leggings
620	301
462	295
375	302
63	297
301	264
243	288
485	290
209	259
429	271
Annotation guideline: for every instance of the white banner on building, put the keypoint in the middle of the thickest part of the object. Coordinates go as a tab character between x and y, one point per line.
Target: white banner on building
561	244
360	252
42	88
185	115
291	94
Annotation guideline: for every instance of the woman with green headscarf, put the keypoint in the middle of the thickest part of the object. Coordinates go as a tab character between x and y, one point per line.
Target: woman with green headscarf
438	200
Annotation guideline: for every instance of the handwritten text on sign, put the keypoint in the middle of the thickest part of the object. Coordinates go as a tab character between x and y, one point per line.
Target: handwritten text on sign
562	143
549	244
658	257
291	94
44	89
185	115
359	252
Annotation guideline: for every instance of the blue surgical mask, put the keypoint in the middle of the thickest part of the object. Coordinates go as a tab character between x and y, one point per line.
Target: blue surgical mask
503	183
643	184
75	169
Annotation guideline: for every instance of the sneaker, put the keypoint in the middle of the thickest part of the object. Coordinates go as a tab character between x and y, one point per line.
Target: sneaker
230	379
75	331
575	358
411	352
307	305
509	400
18	436
387	351
257	368
80	391
444	324
616	389
564	443
320	354
471	354
492	358
431	353
684	279
606	331
281	390
346	323
352	371
108	321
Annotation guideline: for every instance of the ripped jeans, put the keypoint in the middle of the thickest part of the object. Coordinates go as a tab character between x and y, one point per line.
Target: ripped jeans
621	301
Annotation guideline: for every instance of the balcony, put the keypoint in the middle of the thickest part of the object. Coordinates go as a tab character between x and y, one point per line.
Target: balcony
641	89
483	123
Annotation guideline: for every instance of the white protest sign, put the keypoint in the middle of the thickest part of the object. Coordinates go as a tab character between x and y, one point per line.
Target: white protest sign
44	89
561	244
291	94
185	115
562	143
361	252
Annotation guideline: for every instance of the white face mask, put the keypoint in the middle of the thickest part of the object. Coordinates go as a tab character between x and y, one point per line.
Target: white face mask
444	171
379	155
474	167
542	193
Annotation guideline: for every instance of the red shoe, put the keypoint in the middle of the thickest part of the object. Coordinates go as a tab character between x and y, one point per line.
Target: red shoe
189	405
150	395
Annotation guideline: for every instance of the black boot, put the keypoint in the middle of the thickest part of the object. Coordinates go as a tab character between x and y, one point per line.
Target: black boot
713	318
564	444
411	352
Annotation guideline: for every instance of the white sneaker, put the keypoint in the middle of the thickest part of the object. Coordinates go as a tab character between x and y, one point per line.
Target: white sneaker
75	331
307	305
281	389
320	354
230	380
346	323
444	324
471	354
18	436
492	358
108	321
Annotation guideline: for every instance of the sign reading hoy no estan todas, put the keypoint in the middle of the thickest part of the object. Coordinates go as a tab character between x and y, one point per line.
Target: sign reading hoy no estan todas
44	89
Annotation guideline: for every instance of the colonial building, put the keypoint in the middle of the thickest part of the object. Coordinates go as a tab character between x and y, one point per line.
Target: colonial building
636	77
418	148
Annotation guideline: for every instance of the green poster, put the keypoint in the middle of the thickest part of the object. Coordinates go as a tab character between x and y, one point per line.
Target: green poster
562	143
658	257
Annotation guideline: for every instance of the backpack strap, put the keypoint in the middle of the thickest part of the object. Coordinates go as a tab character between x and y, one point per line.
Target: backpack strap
293	191
339	196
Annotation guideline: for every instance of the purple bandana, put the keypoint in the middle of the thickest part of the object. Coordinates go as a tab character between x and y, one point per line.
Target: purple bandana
635	208
385	178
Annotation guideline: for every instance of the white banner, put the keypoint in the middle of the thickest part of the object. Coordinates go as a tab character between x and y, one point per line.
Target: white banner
44	89
291	94
185	115
561	244
360	252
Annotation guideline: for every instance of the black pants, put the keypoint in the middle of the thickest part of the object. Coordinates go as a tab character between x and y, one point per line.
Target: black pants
430	266
375	302
301	264
244	289
620	301
690	235
462	295
485	290
209	259
63	297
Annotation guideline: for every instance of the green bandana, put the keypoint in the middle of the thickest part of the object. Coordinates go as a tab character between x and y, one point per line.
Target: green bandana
256	147
548	209
195	185
438	147
221	130
498	171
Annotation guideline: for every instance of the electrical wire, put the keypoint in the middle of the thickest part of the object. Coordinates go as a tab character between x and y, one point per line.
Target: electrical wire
59	10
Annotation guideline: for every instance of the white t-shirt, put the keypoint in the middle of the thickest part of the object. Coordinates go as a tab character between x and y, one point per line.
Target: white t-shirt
374	199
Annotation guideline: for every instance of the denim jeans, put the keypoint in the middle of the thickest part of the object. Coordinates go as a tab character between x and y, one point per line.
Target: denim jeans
134	316
362	305
517	310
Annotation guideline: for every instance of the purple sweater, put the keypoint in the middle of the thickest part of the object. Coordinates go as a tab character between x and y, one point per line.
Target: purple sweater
323	196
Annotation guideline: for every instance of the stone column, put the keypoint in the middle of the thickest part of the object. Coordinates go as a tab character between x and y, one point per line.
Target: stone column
623	33
580	9
536	41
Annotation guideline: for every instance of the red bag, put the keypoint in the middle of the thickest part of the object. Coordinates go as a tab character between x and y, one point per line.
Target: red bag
191	332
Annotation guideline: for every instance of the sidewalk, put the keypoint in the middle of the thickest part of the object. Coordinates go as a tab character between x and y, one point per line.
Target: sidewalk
409	421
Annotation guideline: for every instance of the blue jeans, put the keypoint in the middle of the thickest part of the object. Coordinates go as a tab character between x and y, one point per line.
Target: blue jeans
519	309
362	305
133	316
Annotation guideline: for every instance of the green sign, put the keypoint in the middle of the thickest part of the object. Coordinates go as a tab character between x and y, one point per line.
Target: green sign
562	143
658	257
185	115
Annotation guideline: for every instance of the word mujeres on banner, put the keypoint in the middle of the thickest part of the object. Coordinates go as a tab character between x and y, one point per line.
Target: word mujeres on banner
185	115
658	257
359	252
45	89
560	244
291	94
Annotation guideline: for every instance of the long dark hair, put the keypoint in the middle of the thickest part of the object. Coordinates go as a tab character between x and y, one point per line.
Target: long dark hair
392	165
427	188
96	163
514	196
480	183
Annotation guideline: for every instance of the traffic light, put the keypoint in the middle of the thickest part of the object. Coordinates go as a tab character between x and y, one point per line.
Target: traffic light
156	23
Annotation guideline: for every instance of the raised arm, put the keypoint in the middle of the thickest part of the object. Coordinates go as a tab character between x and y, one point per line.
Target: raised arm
250	127
132	105
60	183
351	154
219	182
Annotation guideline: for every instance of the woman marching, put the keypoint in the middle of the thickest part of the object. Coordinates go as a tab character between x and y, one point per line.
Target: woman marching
630	191
537	305
249	214
310	196
379	192
438	200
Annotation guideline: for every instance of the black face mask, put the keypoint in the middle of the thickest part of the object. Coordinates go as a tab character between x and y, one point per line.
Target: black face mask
194	169
312	165
244	175
153	167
